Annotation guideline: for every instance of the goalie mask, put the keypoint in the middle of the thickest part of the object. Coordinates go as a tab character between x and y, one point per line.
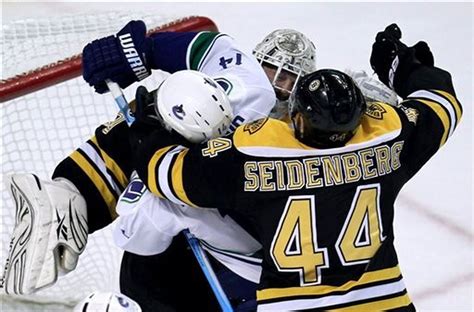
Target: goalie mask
289	53
326	109
194	105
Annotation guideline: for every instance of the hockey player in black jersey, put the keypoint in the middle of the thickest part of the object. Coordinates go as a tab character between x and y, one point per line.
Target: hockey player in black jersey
320	195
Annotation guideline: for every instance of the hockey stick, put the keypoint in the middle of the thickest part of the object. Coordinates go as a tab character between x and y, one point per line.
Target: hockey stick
206	268
122	103
193	242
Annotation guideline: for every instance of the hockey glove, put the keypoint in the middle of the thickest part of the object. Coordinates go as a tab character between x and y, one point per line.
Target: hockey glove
390	56
423	53
121	58
386	48
145	106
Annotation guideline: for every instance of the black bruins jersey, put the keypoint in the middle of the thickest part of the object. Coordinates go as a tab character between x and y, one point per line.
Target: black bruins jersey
323	216
100	168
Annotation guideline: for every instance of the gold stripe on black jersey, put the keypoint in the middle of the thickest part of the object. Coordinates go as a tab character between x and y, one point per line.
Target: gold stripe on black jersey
399	301
445	107
176	177
366	278
271	133
454	102
97	178
372	126
113	168
153	167
442	114
276	139
107	173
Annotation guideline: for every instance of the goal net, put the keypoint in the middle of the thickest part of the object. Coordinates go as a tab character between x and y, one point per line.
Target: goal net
47	113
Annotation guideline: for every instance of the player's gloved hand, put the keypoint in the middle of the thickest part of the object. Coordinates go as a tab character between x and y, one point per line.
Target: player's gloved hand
146	119
144	110
388	46
148	122
121	58
423	53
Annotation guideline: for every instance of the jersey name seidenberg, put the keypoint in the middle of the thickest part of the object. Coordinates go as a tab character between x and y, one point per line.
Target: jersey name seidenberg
321	171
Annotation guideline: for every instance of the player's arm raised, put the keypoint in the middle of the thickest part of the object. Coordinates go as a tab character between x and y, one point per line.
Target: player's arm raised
130	55
430	110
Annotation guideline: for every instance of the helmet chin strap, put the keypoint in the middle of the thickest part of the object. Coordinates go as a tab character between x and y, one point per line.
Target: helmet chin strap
298	125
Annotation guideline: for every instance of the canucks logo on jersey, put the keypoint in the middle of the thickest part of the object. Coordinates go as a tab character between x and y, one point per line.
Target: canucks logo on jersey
133	192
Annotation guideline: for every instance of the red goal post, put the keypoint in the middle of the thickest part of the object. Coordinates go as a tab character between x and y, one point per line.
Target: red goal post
49	110
71	67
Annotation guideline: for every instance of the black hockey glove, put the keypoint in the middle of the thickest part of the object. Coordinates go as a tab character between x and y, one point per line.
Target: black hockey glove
146	119
148	125
144	110
387	47
121	58
423	53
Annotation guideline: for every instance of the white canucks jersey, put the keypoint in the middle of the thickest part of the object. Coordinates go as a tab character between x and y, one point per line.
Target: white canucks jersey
218	55
147	223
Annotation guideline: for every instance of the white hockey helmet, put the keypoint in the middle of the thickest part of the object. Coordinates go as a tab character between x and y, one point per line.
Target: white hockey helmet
107	301
194	105
287	50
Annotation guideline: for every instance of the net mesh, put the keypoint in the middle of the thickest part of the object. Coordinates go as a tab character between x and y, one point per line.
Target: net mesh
41	128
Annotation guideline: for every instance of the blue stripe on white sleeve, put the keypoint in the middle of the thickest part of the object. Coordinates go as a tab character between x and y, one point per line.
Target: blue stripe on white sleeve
169	50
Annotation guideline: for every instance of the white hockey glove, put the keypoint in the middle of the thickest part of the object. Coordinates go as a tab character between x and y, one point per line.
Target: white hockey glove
49	235
372	89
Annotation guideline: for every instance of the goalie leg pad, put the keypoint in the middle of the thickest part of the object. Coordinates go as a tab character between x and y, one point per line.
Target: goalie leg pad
30	264
49	234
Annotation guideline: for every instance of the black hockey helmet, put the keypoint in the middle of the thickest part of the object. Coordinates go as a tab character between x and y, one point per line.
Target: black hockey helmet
330	107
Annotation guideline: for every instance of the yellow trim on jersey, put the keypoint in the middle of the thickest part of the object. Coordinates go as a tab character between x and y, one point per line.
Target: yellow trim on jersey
153	166
442	114
371	128
366	278
454	102
274	133
99	183
177	179
112	165
381	305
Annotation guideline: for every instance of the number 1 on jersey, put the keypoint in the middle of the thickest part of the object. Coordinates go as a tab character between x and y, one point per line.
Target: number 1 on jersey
224	62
